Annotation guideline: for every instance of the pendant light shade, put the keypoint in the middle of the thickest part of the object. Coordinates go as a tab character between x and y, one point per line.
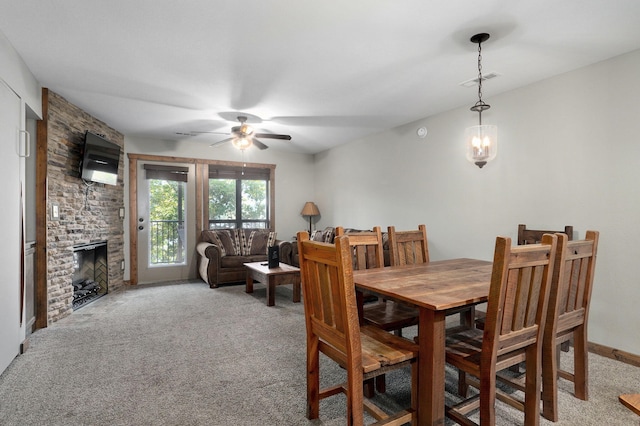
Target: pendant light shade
481	140
482	143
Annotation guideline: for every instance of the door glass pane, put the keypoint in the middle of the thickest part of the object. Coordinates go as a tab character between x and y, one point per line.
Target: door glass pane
166	222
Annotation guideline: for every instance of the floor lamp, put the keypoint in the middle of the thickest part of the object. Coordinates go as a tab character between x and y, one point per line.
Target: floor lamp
310	209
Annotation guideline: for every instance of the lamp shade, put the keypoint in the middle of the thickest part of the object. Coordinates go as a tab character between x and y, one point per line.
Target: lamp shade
310	209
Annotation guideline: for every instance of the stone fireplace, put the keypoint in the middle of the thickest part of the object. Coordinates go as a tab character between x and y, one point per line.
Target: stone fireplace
87	213
90	273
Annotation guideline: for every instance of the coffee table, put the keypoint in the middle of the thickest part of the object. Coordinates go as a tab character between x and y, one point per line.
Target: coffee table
272	277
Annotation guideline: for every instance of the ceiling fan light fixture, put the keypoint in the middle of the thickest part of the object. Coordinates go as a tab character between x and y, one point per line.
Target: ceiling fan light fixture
242	143
245	129
244	136
481	140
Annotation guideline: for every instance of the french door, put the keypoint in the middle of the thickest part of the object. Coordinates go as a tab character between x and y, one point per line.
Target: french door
165	221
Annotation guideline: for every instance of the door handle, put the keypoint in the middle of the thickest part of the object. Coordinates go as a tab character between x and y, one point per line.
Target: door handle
140	227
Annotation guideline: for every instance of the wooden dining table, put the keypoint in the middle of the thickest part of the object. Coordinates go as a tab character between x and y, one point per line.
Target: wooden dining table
436	289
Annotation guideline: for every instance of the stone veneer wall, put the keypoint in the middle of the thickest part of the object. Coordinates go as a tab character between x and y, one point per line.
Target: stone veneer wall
87	213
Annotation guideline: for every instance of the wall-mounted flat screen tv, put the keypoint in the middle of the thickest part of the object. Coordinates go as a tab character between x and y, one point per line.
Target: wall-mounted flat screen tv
100	160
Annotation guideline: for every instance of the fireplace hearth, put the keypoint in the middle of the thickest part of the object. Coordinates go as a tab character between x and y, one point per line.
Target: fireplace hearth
90	273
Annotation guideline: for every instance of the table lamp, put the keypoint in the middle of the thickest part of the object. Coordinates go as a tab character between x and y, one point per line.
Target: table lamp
310	209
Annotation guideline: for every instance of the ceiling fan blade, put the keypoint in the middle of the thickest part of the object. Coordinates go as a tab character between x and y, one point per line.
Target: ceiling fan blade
272	136
216	144
210	133
259	144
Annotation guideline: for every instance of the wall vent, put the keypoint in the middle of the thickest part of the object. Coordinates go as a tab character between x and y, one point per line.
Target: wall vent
474	81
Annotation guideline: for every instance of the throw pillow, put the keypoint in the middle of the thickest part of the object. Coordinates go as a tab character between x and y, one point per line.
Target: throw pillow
255	241
328	235
223	238
316	236
209	237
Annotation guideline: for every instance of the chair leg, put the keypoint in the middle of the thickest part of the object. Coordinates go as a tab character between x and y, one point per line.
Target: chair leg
369	388
463	386
532	387
488	399
355	397
468	317
381	384
313	379
414	386
581	364
550	365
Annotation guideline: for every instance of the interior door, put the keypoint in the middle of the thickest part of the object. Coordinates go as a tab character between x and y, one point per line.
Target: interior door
166	222
10	302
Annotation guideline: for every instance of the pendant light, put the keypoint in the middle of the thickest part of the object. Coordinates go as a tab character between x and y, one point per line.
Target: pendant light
481	140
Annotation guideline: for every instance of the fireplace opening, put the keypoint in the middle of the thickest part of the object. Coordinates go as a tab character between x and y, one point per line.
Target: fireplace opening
90	273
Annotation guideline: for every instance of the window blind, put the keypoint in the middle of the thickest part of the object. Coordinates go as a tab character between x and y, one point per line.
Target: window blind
232	172
158	171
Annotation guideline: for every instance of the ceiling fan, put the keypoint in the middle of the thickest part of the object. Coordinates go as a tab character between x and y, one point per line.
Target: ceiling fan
243	136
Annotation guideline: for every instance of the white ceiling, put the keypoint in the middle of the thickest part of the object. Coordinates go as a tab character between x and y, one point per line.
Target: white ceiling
325	72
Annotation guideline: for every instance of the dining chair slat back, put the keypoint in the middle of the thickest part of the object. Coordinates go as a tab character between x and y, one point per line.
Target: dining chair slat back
567	318
513	329
405	247
534	236
526	236
408	247
333	328
366	246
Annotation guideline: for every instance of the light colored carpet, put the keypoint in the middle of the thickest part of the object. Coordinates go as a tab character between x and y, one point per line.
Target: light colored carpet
185	354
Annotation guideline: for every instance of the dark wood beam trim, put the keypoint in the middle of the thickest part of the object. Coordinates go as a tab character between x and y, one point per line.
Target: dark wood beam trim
201	169
40	263
272	198
133	216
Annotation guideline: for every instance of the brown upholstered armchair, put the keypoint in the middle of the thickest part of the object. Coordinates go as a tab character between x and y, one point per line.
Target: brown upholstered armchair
222	253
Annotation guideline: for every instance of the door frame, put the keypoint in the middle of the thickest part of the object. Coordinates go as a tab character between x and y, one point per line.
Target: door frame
133	204
202	187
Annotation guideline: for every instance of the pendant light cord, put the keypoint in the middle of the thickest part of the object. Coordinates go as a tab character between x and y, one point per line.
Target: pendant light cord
480	105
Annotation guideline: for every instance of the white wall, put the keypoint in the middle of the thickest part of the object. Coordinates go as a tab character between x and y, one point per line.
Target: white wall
569	155
17	75
21	96
294	176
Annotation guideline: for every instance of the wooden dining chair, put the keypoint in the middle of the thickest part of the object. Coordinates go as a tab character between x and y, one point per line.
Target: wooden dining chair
527	236
567	319
513	332
534	236
405	248
368	253
409	248
333	328
567	315
366	246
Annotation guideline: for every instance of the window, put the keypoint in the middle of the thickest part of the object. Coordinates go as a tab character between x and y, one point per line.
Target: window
238	197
